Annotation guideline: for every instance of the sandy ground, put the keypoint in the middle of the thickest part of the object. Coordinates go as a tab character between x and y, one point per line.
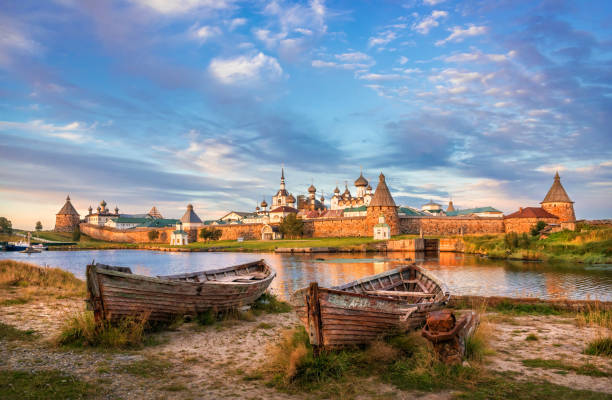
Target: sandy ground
213	362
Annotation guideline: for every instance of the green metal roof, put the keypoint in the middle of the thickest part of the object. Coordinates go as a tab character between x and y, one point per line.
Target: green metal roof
409	211
159	222
127	220
472	211
356	209
381	226
181	231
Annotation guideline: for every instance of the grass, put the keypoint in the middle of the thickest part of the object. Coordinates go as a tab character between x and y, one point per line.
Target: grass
53	384
81	330
148	368
588	244
510	308
532	337
406	361
33	280
585	369
266	303
601	346
10	333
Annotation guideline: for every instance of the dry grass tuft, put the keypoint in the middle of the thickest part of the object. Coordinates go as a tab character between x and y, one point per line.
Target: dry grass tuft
81	330
380	351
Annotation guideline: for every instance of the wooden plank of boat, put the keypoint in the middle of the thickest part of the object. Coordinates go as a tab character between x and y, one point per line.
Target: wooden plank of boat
400	293
115	292
361	311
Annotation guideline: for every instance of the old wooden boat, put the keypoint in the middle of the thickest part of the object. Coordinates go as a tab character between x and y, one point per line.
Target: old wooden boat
363	310
115	292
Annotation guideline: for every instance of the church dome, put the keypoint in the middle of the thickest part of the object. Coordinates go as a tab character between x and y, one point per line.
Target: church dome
361	181
103	203
312	189
264	204
336	190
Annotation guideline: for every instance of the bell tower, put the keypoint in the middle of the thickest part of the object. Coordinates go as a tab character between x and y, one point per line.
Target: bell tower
558	203
383	205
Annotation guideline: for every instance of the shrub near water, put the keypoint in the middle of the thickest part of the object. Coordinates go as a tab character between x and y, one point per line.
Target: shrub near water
600	347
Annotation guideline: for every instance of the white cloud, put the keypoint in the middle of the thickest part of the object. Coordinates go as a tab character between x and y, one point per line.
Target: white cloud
73	131
382	39
403	60
458	34
14	40
245	69
182	6
432	2
379	77
353	57
236	23
270	39
204	33
429	22
479	56
324	64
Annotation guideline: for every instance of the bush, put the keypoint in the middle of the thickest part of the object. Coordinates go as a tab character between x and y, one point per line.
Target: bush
292	226
6	226
269	303
535	231
600	347
210	234
153	235
81	330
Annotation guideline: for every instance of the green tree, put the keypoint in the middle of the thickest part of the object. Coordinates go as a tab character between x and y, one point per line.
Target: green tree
535	231
6	226
215	234
205	234
38	226
153	235
292	226
76	234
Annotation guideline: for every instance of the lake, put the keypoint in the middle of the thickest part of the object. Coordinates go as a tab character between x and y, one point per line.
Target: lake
463	274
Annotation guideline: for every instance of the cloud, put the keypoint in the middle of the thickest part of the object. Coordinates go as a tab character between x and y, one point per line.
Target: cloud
379	77
204	33
236	23
241	69
173	7
382	39
353	57
432	2
426	24
74	131
479	56
15	42
403	60
458	34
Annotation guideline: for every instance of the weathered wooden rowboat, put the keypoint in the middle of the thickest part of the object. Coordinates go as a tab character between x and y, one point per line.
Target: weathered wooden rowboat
115	292
363	310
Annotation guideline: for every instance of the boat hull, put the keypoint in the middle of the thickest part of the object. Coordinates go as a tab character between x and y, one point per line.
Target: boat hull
351	315
114	294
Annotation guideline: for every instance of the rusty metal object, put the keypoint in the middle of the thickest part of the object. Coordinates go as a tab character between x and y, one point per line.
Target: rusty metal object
447	335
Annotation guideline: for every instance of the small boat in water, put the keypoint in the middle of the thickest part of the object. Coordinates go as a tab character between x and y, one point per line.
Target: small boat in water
363	310
114	292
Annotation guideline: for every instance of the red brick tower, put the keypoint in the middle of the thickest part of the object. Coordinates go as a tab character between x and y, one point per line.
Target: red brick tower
382	203
67	218
558	203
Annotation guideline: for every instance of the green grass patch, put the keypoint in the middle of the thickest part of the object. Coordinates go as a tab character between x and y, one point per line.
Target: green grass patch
600	347
174	387
21	385
10	333
269	303
265	325
585	369
38	280
149	368
509	308
16	301
532	337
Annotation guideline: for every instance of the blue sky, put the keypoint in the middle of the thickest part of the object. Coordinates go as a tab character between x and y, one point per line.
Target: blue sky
158	102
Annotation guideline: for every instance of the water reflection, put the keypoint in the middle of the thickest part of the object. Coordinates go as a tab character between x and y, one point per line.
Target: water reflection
463	274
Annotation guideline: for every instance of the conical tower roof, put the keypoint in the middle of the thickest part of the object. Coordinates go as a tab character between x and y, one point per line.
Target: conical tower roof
190	216
382	197
154	212
557	193
68	208
450	206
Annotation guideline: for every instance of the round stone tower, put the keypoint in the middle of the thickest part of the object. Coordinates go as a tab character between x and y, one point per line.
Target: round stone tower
67	218
382	204
558	203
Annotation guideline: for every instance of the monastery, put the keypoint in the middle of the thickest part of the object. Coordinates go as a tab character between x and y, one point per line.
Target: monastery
364	213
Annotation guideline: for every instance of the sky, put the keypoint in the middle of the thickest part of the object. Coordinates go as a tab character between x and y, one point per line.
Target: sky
166	103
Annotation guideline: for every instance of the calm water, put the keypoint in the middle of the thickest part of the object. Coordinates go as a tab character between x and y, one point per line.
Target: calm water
464	274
